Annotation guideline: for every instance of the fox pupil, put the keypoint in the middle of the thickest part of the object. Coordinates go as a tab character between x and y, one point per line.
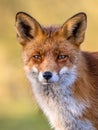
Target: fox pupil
61	57
37	57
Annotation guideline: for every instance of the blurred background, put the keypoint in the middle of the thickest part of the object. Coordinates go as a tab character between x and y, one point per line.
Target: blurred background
18	109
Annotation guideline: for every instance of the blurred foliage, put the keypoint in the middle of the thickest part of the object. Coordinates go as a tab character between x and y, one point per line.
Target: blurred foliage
30	122
18	109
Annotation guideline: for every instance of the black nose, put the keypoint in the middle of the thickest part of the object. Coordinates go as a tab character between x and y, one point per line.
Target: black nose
47	75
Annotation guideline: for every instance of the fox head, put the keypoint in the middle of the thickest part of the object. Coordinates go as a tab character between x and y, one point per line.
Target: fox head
51	54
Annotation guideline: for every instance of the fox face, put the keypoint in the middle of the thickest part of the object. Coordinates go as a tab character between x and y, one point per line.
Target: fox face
51	54
50	63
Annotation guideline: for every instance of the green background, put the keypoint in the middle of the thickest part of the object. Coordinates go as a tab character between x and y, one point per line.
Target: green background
18	109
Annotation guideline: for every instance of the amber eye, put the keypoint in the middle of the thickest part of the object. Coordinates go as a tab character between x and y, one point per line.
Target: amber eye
37	57
61	57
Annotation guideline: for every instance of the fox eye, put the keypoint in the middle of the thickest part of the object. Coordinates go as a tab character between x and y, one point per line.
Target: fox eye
61	57
37	57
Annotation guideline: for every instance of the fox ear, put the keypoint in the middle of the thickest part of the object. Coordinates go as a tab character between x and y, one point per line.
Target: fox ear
74	28
27	27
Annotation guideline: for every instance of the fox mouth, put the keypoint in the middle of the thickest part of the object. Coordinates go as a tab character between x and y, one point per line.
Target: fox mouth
47	83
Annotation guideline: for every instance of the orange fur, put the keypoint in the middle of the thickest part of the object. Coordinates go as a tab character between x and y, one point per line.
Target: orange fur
51	42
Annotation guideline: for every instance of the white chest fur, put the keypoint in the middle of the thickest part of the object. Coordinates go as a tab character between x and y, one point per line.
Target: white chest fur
62	110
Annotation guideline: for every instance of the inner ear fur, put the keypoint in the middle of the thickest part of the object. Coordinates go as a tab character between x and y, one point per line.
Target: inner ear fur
74	28
27	27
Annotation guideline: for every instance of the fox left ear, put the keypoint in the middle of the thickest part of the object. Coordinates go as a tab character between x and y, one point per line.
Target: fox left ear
74	28
27	28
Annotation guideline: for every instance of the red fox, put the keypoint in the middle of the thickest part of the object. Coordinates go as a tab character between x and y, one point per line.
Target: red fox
64	79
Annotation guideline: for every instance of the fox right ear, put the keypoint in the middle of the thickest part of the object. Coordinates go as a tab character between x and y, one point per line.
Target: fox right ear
27	27
74	28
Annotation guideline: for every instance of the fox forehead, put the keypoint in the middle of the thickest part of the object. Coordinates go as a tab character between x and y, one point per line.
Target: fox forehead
49	43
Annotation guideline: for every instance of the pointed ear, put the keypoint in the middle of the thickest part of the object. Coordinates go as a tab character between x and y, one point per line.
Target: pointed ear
27	27
74	28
